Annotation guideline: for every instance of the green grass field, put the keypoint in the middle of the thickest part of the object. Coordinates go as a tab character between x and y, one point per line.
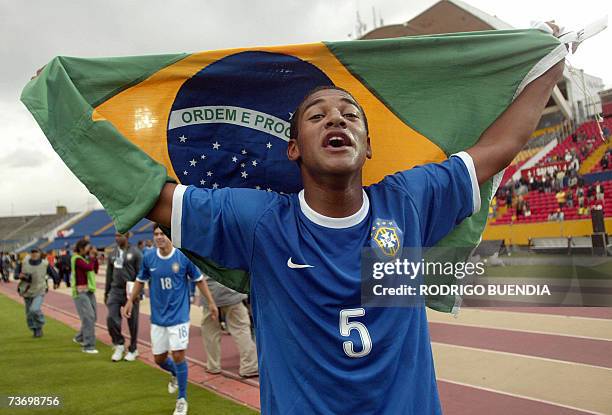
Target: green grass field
87	384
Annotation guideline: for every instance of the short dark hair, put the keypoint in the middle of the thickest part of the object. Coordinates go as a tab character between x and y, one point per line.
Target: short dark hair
82	243
295	119
156	226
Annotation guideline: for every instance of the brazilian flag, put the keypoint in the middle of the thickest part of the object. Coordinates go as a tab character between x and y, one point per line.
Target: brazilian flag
126	125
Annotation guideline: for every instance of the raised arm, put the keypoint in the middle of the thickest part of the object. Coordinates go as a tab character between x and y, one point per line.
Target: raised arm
502	141
162	211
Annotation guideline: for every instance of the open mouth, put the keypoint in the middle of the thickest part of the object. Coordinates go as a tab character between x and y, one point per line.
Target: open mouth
337	140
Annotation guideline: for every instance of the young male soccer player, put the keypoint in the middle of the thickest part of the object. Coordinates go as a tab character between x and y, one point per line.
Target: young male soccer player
319	349
167	270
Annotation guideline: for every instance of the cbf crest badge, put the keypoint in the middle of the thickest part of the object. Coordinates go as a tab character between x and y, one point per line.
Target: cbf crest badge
176	267
386	238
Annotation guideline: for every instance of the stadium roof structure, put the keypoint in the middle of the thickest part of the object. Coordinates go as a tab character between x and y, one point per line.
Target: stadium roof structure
451	16
445	16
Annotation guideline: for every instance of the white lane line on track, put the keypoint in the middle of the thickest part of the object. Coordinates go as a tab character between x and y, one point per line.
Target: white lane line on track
548	314
525	356
515	395
482	326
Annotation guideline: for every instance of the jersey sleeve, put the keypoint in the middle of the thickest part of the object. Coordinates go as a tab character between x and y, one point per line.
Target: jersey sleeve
144	273
193	273
218	224
444	194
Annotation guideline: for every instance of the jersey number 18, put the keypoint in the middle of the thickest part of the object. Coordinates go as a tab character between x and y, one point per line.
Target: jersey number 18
166	283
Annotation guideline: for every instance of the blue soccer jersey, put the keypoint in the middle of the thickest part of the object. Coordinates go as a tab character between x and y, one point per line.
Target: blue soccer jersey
320	351
168	278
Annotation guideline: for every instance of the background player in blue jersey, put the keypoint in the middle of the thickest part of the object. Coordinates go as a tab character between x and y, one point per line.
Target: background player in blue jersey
168	272
320	351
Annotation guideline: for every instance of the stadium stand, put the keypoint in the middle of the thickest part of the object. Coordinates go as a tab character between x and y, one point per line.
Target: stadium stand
50	232
584	145
533	146
99	227
18	230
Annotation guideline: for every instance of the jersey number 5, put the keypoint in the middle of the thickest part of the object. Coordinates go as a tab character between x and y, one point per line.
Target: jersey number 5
345	330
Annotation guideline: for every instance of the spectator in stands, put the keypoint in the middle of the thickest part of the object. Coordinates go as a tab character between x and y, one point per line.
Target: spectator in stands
574	164
583	151
84	267
121	269
140	246
561	198
493	207
32	287
238	323
604	162
599	192
547	180
580	196
573	180
584	211
558	183
509	197
565	180
556	216
570	199
590	193
520	206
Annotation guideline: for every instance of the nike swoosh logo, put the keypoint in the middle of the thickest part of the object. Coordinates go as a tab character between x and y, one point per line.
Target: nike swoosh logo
290	264
153	269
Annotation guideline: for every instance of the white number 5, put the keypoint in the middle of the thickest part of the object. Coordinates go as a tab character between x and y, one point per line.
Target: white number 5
345	330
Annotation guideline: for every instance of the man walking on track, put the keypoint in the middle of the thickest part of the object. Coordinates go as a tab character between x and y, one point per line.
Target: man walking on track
121	270
169	273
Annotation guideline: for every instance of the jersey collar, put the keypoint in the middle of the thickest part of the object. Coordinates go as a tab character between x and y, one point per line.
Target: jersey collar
335	223
165	257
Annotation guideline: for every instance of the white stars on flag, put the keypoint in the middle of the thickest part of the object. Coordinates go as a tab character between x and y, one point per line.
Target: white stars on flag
234	165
